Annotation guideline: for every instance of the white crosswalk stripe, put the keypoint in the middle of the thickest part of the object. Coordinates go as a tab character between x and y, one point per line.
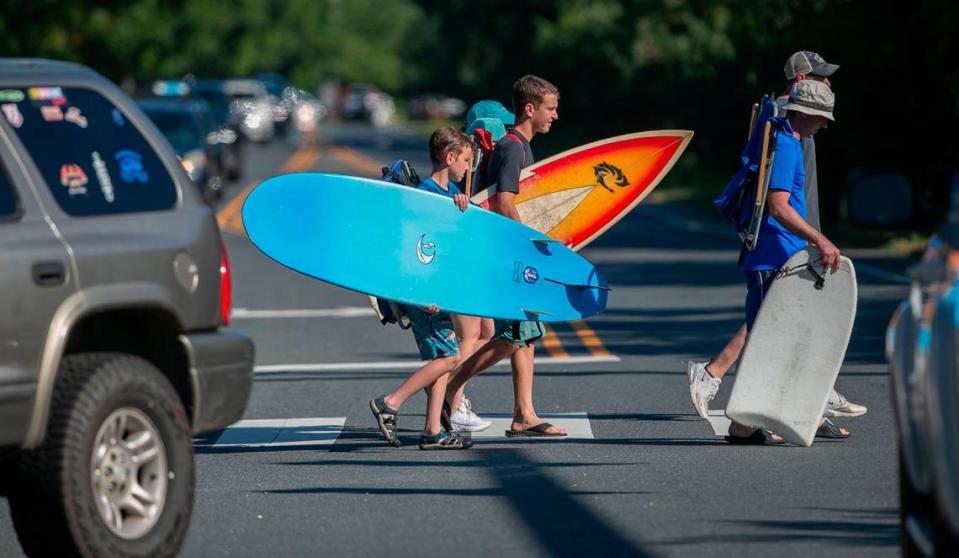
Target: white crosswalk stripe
719	421
280	432
413	364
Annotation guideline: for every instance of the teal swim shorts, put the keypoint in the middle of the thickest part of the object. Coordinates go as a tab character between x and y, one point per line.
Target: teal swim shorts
521	333
434	334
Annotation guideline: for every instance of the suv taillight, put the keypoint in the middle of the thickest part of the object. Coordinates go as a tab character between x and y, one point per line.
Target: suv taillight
225	292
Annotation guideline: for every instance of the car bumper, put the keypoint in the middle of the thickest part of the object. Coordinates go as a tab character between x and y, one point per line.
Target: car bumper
221	371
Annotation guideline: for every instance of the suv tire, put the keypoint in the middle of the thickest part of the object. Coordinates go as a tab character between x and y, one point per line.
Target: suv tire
117	433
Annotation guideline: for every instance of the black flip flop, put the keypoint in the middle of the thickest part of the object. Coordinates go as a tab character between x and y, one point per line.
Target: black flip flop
759	437
828	429
538	431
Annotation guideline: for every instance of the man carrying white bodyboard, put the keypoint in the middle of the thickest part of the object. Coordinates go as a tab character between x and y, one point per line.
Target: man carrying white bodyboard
784	230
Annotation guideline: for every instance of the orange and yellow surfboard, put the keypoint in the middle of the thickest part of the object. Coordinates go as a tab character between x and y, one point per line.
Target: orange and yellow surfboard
579	194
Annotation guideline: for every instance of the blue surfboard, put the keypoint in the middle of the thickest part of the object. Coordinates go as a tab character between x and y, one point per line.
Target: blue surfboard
415	247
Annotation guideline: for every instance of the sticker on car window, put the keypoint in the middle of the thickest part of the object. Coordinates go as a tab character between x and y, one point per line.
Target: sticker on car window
13	114
73	115
51	113
11	95
74	179
131	166
47	94
103	176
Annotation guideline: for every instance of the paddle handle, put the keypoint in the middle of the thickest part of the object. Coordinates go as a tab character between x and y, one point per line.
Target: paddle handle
469	178
752	120
762	165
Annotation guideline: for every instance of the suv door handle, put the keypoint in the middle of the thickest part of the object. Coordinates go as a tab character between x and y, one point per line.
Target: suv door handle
49	274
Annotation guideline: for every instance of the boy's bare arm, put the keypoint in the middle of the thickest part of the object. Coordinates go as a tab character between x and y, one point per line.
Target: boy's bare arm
784	213
506	206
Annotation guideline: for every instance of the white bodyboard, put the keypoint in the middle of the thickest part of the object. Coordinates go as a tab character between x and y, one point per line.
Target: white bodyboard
795	349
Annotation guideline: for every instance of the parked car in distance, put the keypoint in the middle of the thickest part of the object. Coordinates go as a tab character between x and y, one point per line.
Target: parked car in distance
366	102
251	101
225	126
435	107
116	291
184	124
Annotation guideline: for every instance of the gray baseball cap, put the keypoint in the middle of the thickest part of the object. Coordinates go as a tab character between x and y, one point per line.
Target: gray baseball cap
811	97
808	62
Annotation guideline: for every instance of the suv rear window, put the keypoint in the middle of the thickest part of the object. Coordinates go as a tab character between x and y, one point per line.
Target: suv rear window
8	203
92	157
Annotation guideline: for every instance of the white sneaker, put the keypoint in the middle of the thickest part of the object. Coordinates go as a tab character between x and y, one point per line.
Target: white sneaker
838	406
702	387
465	420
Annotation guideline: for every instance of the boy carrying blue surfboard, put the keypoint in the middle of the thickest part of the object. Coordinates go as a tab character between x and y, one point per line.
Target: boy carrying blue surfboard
450	153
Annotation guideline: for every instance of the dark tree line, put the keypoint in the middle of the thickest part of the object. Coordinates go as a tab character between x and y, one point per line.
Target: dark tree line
621	65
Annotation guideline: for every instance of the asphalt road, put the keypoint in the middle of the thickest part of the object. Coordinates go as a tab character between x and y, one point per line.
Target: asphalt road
643	476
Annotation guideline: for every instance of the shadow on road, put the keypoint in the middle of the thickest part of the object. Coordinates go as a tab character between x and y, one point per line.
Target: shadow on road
554	514
880	531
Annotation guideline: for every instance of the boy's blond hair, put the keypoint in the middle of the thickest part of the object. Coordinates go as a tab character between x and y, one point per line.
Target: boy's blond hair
531	89
447	140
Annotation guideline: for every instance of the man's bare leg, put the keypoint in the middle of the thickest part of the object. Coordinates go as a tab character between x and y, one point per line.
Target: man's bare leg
718	367
524	415
484	357
471	332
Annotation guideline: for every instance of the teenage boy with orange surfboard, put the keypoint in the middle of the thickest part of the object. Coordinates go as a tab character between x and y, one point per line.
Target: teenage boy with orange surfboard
535	103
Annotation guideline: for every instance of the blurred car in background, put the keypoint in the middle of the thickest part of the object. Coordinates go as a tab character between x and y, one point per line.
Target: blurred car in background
276	86
366	102
435	107
224	125
251	101
185	125
922	347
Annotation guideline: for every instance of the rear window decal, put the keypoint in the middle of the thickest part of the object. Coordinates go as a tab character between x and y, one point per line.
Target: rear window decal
74	179
54	94
51	113
131	167
11	95
13	114
73	115
103	177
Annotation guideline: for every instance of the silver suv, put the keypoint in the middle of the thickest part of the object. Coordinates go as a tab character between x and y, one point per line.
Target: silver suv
115	285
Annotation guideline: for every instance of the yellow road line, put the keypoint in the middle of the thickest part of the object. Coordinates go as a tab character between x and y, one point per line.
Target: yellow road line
229	217
589	338
356	160
553	345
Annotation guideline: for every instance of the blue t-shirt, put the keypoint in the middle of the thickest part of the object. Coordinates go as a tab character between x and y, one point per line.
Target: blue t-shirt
430	185
776	243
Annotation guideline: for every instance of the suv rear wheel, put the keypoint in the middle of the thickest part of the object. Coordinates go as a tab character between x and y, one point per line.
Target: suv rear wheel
115	474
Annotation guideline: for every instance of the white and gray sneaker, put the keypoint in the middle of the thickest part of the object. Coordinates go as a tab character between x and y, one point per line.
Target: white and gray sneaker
702	387
838	406
465	420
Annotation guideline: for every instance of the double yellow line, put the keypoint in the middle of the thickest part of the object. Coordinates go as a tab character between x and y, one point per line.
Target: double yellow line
588	337
230	219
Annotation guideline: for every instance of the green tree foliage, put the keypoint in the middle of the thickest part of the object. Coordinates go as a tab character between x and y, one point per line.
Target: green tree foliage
142	40
621	65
